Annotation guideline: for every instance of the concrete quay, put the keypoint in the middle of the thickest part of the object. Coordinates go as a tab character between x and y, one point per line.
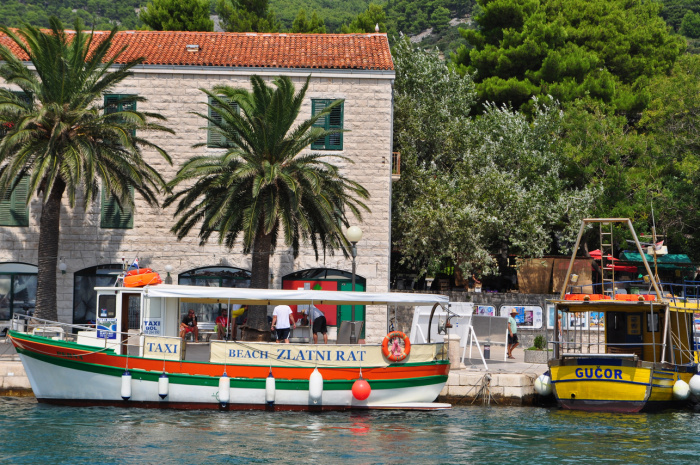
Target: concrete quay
509	382
504	382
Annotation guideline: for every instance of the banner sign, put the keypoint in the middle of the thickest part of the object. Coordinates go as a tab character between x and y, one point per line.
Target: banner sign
153	327
311	355
162	348
529	316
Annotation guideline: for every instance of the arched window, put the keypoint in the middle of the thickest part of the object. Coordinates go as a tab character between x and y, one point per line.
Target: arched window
17	289
212	276
84	295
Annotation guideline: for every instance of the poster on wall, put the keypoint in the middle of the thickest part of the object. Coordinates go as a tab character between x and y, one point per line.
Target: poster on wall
528	316
488	310
152	327
106	328
577	320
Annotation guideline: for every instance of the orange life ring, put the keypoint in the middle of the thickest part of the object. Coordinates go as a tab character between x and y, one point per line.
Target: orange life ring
394	355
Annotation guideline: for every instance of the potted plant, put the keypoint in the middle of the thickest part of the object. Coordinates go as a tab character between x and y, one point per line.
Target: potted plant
538	353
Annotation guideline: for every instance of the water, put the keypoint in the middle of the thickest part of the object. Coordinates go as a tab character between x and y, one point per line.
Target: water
42	434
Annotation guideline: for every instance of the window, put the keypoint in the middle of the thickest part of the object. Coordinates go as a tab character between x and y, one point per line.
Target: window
211	276
17	289
6	126
214	139
113	216
13	205
84	293
117	102
334	120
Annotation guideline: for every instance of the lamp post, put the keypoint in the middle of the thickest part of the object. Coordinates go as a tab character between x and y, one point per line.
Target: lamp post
168	278
353	234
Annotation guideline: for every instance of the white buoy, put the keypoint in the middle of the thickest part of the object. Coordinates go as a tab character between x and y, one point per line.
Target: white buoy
316	386
543	385
681	390
126	385
224	389
270	389
163	385
695	385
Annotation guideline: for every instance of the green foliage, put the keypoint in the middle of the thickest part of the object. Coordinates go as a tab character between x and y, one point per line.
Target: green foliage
414	16
690	26
333	14
367	21
176	15
539	343
63	139
472	189
673	11
247	16
569	49
100	14
314	25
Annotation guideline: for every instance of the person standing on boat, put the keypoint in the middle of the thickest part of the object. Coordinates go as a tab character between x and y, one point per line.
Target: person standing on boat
282	319
512	333
189	325
318	324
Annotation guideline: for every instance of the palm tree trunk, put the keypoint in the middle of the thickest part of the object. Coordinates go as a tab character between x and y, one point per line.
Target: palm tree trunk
258	328
49	228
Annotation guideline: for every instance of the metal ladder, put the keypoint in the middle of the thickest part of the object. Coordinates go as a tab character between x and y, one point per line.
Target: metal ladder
606	258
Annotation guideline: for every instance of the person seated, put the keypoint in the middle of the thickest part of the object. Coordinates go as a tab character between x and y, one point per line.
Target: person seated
189	325
222	326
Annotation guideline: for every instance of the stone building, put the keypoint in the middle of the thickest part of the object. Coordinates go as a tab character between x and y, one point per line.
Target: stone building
95	238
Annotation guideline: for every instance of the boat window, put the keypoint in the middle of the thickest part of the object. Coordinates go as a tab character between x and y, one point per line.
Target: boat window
652	323
108	306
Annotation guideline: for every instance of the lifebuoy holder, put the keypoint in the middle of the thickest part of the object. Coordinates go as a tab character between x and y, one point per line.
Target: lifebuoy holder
388	345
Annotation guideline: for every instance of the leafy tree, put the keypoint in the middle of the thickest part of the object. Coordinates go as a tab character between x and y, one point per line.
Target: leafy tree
471	189
177	15
262	186
690	26
367	21
61	137
673	11
247	16
315	25
440	19
568	49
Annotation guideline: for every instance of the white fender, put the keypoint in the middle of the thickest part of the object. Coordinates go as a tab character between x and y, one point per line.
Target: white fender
224	389
126	385
695	385
270	389
316	386
163	386
681	390
543	385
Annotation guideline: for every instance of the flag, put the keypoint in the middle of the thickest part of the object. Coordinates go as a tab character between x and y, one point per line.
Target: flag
134	264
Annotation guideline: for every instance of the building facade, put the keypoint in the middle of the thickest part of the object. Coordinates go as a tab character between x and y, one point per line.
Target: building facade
95	239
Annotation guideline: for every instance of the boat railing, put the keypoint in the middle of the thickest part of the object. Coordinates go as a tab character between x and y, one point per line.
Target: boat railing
85	334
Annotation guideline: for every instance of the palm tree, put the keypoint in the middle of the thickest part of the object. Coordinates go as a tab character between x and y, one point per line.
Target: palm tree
262	186
59	137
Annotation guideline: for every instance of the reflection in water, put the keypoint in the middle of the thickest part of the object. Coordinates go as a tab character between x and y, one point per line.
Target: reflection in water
483	435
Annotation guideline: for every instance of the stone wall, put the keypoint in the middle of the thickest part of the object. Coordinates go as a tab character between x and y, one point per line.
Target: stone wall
175	94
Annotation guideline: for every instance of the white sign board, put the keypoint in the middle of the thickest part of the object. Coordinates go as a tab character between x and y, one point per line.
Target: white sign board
421	315
528	316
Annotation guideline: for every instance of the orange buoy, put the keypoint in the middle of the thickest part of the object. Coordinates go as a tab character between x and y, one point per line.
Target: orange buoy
139	271
361	389
396	353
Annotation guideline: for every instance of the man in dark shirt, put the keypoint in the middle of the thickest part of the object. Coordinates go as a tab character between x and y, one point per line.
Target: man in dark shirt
189	325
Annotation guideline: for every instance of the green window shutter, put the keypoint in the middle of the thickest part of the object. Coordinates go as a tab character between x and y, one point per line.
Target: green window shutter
116	102
332	121
214	139
13	206
112	215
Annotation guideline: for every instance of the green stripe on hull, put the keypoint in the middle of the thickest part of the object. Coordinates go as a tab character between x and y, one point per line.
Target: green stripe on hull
249	383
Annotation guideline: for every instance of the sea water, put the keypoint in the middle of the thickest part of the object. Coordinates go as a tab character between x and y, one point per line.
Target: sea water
40	434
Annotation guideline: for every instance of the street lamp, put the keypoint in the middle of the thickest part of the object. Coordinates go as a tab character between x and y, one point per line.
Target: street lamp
354	234
168	278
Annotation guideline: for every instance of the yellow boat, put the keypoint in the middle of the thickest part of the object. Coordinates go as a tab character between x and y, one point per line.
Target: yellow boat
642	355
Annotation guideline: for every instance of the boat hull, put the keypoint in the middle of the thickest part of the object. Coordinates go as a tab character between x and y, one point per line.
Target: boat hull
612	385
70	374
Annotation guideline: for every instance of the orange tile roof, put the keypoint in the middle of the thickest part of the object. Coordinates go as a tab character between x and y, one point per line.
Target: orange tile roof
258	50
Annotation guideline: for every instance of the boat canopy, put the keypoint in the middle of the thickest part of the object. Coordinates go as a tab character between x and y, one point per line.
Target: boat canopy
202	294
